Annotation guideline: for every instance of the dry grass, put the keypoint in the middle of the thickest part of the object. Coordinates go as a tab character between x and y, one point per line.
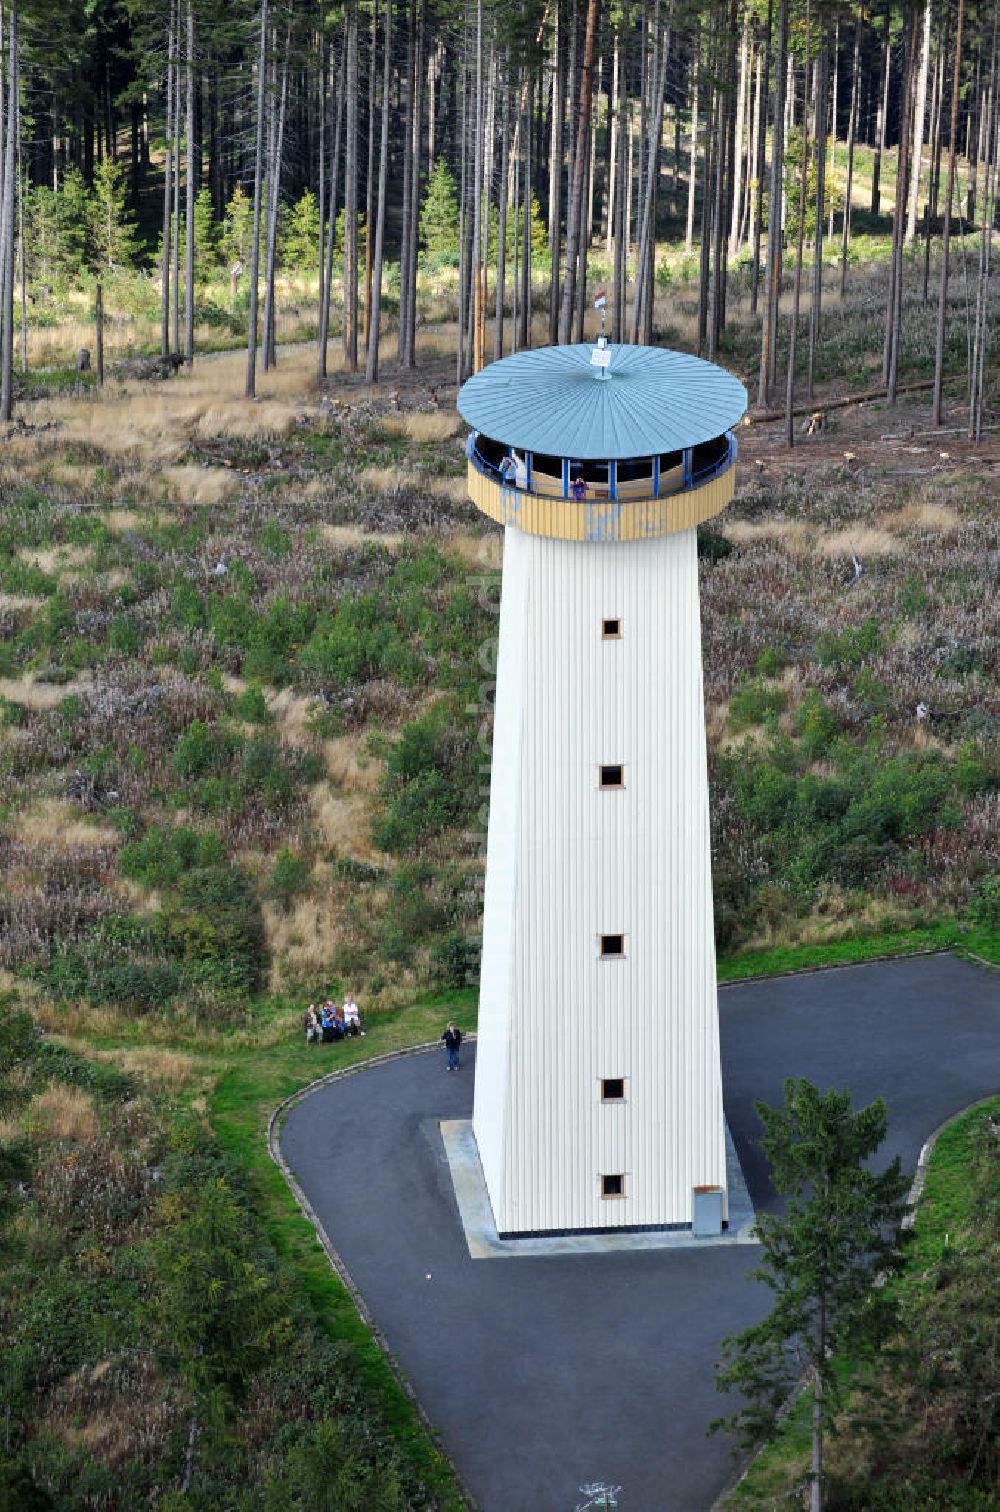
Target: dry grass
303	938
386	480
62	1112
200	485
424	425
924	516
716	722
341	822
161	1067
132	519
794	535
57	559
482	551
292	713
860	540
54	822
455	490
40	695
17	601
156	421
350	765
835	917
349	537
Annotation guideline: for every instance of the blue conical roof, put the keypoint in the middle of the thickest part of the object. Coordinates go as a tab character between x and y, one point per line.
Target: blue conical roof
555	401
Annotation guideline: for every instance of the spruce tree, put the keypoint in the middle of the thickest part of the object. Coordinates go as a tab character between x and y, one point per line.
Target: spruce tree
112	228
823	1259
439	213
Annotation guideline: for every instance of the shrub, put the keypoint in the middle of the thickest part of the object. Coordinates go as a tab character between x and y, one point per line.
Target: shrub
753	703
456	958
984	905
289	878
769	662
427	773
164	855
851	647
202	749
816	725
251	705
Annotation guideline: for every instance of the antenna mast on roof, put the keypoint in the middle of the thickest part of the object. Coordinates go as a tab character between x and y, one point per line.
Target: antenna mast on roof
600	357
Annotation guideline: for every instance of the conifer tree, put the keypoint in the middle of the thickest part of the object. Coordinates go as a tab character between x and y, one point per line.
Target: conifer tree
439	213
823	1258
112	228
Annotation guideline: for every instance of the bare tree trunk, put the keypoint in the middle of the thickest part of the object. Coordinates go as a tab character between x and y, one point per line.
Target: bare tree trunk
326	275
918	126
585	235
758	212
643	292
165	264
934	188
321	115
890	363
942	315
738	161
7	241
175	291
770	323
476	289
707	205
189	199
796	297
375	326
613	129
404	246
556	171
575	207
618	323
852	127
882	118
833	125
816	1465
20	242
370	181
501	278
526	299
991	119
251	385
351	195
274	198
408	247
817	272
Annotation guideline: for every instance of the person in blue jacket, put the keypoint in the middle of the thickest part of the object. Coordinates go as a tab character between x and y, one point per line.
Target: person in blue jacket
452	1041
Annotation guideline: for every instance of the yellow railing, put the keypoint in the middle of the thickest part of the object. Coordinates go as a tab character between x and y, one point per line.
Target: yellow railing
601	520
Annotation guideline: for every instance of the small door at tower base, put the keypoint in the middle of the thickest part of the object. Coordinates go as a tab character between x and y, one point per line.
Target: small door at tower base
706	1212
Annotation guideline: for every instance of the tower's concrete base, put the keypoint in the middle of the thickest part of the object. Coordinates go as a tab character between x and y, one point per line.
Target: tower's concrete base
485	1243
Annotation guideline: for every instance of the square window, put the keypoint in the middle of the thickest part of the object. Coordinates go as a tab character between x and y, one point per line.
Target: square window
611	629
613	1089
612	946
613	1186
611	776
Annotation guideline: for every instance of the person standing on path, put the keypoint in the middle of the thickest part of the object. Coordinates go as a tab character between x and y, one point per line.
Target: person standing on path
452	1039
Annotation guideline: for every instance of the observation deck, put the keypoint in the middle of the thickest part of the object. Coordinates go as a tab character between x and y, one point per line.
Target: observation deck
605	443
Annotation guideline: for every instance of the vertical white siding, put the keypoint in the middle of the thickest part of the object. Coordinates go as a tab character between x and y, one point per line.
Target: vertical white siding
567	862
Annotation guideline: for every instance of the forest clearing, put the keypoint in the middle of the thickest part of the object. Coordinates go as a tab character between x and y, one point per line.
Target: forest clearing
248	621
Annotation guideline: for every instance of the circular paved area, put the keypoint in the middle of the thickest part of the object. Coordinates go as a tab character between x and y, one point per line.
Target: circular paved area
542	1374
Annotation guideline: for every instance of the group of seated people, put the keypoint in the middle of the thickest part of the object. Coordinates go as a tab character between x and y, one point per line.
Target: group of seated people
325	1024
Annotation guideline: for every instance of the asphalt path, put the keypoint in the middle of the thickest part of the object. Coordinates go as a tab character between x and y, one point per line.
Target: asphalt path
544	1374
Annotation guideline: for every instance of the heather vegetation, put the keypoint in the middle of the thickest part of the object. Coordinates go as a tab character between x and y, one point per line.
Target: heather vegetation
244	753
248	626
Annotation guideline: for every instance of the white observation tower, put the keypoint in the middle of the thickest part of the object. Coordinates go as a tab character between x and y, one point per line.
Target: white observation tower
598	1097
